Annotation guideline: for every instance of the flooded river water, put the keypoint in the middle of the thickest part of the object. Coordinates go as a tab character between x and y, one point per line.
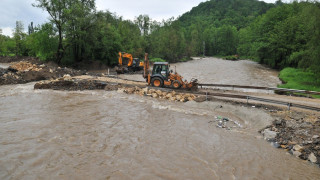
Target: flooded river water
46	134
218	71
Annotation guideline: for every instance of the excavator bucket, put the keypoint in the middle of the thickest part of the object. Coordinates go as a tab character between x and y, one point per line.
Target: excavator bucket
193	84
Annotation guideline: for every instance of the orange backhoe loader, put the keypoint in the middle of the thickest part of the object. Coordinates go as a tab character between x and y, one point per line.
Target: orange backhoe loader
128	64
162	77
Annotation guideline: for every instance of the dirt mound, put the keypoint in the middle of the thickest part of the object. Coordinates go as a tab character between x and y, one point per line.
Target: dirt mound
24	66
25	71
70	85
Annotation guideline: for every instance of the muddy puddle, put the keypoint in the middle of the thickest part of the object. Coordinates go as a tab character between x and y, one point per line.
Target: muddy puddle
47	134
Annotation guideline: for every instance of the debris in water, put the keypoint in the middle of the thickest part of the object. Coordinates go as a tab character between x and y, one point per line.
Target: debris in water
227	123
226	119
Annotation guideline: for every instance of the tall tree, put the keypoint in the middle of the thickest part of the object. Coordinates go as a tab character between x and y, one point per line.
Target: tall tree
57	10
30	28
42	43
79	25
19	36
143	22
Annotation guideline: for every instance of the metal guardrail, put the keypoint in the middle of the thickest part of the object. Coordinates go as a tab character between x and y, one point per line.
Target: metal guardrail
288	104
261	88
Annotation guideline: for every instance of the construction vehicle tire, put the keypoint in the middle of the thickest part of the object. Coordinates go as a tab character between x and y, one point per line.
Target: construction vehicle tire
176	84
157	82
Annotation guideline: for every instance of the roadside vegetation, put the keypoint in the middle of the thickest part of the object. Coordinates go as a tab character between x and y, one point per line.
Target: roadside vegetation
300	79
279	35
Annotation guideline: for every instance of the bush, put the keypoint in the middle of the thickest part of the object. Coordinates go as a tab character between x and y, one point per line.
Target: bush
157	60
233	58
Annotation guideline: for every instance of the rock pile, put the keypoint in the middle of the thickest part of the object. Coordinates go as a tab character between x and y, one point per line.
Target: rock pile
24	66
172	96
298	137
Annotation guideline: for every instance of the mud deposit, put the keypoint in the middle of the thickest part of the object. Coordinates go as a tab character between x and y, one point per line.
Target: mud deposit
33	70
47	134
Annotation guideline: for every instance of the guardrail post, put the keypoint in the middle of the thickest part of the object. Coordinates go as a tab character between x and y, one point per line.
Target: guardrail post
247	100
289	105
206	95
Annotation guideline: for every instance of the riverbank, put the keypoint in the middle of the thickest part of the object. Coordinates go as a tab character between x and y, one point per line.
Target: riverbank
296	132
299	79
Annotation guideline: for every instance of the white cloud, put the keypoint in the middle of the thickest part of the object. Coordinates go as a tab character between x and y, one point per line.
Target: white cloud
7	31
156	9
20	10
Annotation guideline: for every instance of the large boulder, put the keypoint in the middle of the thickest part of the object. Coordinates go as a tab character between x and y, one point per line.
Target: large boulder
269	135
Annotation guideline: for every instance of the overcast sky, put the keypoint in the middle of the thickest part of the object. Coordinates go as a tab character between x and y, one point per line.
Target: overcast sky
22	10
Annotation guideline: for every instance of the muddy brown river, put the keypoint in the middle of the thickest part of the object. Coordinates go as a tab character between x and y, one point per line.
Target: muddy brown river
218	71
46	134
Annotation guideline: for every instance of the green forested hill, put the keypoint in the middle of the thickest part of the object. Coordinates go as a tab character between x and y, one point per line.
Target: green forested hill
238	13
214	24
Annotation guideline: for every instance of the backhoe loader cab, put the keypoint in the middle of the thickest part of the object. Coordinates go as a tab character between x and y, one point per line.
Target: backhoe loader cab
160	69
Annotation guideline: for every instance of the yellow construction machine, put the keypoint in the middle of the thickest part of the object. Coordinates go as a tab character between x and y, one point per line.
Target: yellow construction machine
128	64
161	76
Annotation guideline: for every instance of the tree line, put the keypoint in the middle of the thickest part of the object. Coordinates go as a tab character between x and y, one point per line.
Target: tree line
279	35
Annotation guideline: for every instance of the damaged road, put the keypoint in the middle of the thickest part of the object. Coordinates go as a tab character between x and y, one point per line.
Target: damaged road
112	84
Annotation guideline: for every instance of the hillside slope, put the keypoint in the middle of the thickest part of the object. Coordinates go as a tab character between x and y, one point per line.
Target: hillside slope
238	13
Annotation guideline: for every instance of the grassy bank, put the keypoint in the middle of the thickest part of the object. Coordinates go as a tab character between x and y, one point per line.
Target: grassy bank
299	79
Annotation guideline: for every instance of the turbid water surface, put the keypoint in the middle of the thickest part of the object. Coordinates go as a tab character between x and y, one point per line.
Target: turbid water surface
46	134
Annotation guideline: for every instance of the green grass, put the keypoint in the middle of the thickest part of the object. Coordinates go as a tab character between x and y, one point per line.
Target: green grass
300	79
218	56
185	59
7	54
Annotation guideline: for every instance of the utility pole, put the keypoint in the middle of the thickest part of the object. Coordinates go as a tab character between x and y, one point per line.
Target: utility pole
204	48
